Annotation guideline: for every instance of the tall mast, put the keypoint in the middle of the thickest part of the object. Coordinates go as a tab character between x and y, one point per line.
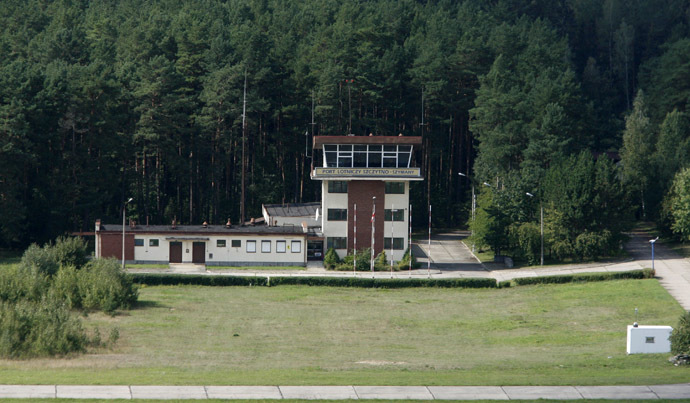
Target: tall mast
244	127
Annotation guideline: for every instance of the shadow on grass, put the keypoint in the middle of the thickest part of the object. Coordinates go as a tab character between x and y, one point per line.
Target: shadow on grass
147	304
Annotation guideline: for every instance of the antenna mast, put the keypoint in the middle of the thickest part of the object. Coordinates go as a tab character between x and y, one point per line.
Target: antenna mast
244	127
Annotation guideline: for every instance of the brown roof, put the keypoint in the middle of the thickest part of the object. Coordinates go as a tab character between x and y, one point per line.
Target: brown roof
208	230
319	141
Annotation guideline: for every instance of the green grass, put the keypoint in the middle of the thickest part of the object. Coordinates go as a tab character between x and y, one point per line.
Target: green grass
484	256
571	334
255	268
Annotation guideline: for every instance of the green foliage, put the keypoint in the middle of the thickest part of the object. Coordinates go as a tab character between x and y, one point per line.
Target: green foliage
149	279
404	263
363	261
384	283
17	284
103	286
331	260
527	240
381	262
37	329
69	251
637	150
680	335
584	278
38	259
678	204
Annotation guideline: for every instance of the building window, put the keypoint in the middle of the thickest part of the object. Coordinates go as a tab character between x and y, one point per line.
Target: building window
362	155
153	242
337	187
280	246
138	242
236	243
395	188
398	215
265	246
398	243
251	246
296	247
220	243
337	214
336	242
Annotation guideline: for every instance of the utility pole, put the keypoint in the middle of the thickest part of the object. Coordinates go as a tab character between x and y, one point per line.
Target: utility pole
244	127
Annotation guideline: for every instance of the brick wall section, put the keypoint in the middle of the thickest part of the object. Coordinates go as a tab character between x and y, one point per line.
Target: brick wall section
111	245
361	192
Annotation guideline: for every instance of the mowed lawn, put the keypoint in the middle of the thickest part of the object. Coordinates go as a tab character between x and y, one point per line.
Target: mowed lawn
571	334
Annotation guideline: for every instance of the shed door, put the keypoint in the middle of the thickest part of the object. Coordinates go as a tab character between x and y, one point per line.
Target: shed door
199	252
175	252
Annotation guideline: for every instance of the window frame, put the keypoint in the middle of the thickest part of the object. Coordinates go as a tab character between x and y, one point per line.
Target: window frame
251	242
398	216
337	186
263	244
154	242
396	240
138	242
331	242
391	188
336	214
299	246
235	243
278	243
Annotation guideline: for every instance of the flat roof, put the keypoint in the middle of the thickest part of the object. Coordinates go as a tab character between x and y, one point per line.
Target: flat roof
200	230
319	141
292	209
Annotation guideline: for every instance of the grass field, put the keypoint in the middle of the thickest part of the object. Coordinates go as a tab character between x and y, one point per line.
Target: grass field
256	268
546	335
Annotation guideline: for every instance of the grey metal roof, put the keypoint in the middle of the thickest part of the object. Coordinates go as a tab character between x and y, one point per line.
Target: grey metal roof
200	230
292	209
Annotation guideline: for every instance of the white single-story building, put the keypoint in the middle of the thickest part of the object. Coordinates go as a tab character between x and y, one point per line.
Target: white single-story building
212	245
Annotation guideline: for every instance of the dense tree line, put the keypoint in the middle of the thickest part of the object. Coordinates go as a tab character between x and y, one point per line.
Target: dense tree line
105	100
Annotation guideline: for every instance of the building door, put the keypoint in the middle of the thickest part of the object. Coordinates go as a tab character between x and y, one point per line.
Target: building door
199	252
175	252
315	250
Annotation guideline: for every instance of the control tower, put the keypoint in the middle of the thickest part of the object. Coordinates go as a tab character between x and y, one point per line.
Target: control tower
371	173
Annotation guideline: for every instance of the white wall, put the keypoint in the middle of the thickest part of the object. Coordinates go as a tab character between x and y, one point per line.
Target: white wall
648	339
226	254
333	200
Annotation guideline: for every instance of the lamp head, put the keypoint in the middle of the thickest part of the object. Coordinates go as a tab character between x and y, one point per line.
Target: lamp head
529	194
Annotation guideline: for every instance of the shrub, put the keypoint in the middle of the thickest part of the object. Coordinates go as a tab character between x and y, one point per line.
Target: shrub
69	251
102	285
17	284
680	336
39	260
65	287
404	263
35	329
363	261
381	262
384	283
331	260
196	279
584	278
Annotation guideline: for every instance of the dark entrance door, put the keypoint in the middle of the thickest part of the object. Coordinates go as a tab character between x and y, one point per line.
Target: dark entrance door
175	252
314	250
199	252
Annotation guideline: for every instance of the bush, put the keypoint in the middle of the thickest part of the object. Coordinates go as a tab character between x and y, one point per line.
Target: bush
196	279
680	336
404	263
39	260
65	287
102	285
331	260
363	261
35	329
384	283
584	278
69	251
18	284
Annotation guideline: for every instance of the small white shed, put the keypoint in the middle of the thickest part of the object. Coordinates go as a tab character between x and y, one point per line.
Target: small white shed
648	339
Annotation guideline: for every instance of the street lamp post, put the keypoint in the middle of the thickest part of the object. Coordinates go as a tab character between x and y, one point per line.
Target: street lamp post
124	207
653	241
541	225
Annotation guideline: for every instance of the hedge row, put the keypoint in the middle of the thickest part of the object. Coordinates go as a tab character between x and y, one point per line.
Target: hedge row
585	278
205	280
385	283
